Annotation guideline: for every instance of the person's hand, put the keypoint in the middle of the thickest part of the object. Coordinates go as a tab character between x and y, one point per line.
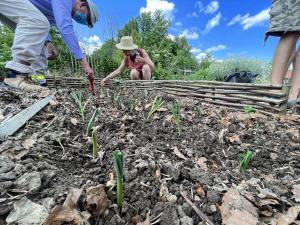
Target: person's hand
140	59
104	81
52	51
88	72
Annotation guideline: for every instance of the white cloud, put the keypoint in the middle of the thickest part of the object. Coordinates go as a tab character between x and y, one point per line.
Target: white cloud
178	24
188	34
201	56
193	14
171	36
164	5
248	21
196	50
212	7
91	44
216	48
199	5
213	22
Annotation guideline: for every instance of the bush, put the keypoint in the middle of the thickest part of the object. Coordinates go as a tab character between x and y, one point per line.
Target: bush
218	70
201	74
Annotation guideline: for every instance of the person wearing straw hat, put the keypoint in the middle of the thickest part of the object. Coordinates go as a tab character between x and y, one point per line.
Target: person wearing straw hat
31	21
135	59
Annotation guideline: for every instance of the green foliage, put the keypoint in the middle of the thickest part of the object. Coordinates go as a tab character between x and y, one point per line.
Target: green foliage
245	160
91	122
220	69
78	98
249	109
6	41
175	111
155	105
95	145
198	110
119	169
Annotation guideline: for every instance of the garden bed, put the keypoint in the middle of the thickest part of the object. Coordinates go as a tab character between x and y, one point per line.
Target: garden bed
202	162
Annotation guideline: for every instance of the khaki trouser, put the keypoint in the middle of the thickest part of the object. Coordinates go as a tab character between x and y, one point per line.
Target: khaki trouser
31	29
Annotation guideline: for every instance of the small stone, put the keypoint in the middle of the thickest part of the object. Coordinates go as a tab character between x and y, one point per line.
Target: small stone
213	208
186	221
117	220
273	156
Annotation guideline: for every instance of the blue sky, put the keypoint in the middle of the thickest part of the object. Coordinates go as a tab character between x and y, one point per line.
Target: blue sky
222	28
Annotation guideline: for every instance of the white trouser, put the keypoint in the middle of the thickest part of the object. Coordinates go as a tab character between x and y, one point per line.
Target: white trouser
31	29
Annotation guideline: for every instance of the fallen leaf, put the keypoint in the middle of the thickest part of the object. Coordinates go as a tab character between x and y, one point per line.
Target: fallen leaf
296	192
236	209
201	162
178	153
157	172
162	110
188	115
214	167
147	105
169	118
295	133
234	139
111	182
96	200
14	154
74	121
28	143
200	191
225	122
290	217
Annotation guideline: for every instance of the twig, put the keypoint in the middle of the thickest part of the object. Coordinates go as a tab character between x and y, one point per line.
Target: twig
204	218
59	142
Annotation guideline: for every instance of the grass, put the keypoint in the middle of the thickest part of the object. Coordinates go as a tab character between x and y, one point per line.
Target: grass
119	169
249	109
95	145
155	105
198	110
245	160
175	111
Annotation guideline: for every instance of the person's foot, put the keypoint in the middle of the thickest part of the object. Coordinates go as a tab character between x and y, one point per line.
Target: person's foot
22	82
292	102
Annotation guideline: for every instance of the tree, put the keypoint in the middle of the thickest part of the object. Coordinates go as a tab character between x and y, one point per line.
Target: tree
6	41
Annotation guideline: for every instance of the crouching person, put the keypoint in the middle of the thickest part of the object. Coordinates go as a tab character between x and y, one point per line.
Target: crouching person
135	59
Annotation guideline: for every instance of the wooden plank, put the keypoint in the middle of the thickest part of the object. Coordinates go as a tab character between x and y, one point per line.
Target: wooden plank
10	126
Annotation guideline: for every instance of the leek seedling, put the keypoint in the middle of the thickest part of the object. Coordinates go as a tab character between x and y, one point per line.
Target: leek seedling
245	160
198	110
78	98
95	147
155	105
119	169
175	111
249	109
91	123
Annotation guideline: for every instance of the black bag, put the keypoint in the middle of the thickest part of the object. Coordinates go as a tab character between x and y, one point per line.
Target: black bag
241	77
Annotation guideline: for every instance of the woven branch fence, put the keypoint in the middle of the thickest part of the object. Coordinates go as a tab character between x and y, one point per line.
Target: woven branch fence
264	98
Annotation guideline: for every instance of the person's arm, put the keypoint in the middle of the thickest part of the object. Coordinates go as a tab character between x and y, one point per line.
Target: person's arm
146	59
114	73
63	18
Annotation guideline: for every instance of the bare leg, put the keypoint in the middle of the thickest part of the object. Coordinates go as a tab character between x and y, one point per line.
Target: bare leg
134	75
146	72
295	77
283	56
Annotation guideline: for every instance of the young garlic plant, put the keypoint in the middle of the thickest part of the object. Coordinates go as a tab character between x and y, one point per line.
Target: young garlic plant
95	145
175	111
119	169
78	98
155	105
91	122
245	160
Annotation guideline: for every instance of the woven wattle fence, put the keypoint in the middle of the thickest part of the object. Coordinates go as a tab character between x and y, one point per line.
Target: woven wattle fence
264	98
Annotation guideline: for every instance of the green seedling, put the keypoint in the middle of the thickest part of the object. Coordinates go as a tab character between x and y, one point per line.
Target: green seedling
245	160
119	169
198	110
175	111
95	145
78	98
249	109
133	104
155	105
91	122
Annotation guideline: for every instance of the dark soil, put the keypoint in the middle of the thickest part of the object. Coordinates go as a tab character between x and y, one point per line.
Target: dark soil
219	135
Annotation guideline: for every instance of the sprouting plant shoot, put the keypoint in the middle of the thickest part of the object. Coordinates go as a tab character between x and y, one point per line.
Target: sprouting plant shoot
95	146
198	110
175	111
249	109
133	104
245	160
78	98
91	123
155	105
119	169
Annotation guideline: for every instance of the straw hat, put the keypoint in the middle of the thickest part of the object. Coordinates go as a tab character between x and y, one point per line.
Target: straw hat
126	44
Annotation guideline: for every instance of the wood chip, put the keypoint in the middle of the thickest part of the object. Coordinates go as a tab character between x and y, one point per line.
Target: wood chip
178	153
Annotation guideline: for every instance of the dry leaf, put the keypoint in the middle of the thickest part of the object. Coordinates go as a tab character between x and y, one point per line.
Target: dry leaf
236	209
201	162
164	193
188	115
234	139
225	122
290	217
96	200
111	182
214	167
147	105
74	121
295	133
28	143
178	153
200	191
13	154
162	110
296	192
157	172
169	118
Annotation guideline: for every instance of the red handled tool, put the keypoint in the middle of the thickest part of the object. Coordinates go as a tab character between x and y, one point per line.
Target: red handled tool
92	87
